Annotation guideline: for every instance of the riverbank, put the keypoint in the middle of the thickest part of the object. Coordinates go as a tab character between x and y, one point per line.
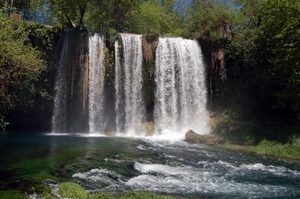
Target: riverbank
269	139
289	150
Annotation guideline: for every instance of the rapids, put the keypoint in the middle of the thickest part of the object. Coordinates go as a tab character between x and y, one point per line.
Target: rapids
118	164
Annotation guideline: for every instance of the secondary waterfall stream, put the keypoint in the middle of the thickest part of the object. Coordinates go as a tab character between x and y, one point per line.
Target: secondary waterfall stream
96	82
180	103
133	110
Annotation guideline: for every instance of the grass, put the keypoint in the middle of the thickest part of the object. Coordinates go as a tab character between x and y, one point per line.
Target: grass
290	150
271	148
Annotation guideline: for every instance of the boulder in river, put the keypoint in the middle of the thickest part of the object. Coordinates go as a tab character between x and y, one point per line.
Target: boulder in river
193	137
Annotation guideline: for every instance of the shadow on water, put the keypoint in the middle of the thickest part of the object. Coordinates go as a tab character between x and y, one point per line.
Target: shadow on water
117	164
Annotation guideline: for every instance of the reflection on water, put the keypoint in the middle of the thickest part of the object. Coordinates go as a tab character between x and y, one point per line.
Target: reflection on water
119	164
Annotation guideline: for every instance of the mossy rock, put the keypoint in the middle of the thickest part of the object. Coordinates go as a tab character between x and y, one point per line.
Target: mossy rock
72	190
13	194
193	137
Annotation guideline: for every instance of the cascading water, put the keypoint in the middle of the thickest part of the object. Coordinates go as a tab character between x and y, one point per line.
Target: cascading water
96	82
70	112
133	109
180	96
59	115
119	88
180	89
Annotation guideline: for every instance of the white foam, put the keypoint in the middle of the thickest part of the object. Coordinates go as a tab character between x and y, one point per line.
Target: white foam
276	170
101	175
187	179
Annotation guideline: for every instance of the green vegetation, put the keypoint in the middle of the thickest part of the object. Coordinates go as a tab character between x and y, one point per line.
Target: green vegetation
13	194
271	139
290	149
72	190
20	66
272	148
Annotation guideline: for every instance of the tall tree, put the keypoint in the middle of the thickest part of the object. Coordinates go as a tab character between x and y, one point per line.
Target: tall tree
281	26
210	19
151	15
70	10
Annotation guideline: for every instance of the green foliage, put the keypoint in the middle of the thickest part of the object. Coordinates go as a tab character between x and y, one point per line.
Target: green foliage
106	14
72	190
209	19
112	36
152	16
290	149
160	16
281	27
20	65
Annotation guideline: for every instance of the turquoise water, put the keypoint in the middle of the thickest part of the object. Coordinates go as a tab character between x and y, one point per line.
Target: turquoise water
117	164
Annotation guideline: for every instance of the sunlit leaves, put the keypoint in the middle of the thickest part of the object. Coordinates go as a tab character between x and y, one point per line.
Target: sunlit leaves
210	19
20	65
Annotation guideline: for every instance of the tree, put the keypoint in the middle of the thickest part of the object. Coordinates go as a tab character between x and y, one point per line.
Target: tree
152	16
281	27
20	66
112	14
71	10
209	19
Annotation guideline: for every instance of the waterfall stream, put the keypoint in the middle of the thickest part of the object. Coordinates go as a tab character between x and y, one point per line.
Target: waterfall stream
96	82
60	98
180	102
134	109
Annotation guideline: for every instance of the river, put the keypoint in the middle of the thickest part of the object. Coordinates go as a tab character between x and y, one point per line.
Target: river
118	164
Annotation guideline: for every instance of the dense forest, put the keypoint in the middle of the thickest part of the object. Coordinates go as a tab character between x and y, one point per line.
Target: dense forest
251	50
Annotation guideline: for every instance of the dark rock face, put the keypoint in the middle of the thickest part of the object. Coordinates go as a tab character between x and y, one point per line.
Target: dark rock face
193	137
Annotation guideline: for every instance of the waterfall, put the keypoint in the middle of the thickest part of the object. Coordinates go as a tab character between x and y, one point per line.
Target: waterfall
131	78
70	112
84	98
180	98
96	82
59	115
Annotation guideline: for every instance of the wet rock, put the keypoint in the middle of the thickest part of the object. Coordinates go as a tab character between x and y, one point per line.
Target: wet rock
193	137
